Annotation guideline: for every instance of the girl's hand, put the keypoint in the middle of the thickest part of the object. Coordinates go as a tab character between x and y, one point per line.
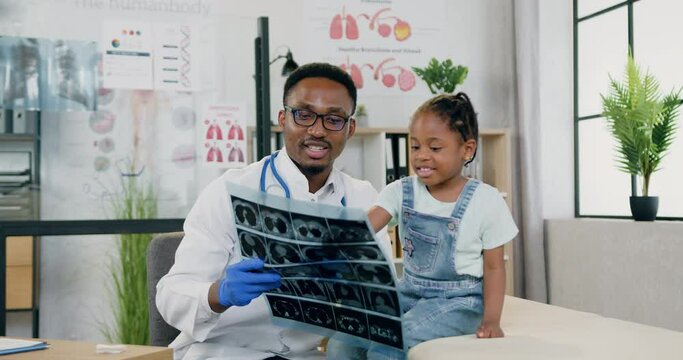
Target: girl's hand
489	331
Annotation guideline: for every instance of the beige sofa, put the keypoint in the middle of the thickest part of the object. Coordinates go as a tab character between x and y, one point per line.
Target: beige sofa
539	331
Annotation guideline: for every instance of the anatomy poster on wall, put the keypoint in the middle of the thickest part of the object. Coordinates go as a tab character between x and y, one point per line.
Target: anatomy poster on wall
376	42
224	136
127	48
336	281
175	63
144	56
142	134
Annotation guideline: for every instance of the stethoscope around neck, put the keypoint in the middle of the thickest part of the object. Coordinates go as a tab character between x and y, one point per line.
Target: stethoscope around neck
270	163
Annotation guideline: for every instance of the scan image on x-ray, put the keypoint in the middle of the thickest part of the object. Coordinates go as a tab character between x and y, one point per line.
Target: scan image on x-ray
336	281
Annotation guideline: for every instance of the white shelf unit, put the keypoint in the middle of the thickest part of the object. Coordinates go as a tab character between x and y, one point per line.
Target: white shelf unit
364	157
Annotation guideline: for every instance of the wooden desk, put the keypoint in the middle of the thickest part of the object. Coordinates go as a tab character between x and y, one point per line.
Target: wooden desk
80	350
535	331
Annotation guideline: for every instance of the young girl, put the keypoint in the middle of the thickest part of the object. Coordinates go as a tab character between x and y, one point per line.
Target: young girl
452	231
452	228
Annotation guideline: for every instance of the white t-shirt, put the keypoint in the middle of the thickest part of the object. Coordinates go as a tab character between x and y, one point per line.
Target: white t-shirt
486	224
243	332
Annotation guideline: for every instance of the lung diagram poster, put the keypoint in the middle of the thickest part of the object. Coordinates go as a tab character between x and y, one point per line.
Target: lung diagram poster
376	42
224	134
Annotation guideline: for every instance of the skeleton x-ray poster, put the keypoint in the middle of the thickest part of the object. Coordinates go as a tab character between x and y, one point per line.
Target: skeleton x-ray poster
336	281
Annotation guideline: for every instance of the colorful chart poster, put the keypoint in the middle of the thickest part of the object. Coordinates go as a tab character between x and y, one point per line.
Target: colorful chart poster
376	42
336	281
127	55
174	59
224	136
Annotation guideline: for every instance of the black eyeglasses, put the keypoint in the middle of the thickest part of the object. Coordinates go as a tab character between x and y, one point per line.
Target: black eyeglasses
307	118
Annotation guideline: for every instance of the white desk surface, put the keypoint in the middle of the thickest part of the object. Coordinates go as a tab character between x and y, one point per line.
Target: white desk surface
538	331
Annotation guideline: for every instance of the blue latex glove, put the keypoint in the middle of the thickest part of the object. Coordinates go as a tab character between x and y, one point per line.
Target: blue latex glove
245	281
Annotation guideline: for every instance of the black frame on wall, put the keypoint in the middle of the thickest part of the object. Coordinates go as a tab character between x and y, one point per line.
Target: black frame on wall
262	77
577	21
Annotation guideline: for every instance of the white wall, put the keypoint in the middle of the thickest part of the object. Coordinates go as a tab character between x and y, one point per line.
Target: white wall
556	90
73	289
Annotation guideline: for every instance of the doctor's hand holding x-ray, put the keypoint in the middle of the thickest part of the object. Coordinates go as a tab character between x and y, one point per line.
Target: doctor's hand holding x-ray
244	282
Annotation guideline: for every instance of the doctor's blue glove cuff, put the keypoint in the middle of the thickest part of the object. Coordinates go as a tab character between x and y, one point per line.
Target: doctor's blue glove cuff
244	282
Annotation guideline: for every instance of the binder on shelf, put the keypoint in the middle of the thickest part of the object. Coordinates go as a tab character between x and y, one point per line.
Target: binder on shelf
390	159
402	152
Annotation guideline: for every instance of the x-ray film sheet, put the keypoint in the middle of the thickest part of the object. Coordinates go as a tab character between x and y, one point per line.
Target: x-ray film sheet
336	281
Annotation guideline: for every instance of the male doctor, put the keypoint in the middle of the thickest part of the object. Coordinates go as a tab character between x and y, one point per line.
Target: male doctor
219	310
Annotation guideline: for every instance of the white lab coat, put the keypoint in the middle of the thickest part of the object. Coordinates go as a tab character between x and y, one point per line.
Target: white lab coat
208	247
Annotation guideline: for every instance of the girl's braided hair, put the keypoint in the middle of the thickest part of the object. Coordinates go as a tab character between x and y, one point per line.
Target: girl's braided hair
458	111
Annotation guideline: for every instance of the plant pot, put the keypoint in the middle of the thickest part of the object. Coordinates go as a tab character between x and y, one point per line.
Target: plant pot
644	208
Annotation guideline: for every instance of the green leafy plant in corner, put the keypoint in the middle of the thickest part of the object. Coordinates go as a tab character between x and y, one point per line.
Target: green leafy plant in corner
442	77
641	120
137	201
360	111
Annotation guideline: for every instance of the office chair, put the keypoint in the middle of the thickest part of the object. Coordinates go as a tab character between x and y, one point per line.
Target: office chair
160	258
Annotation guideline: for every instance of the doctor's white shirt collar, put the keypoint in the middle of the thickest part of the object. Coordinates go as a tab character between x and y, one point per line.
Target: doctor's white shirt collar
298	184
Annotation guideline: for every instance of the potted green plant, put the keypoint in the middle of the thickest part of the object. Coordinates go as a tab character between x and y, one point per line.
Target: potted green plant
442	76
137	201
644	125
361	116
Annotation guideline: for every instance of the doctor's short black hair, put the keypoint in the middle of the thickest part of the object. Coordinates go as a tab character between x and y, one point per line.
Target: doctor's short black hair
324	70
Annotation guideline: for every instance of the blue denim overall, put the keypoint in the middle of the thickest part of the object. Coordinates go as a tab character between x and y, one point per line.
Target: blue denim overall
436	300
